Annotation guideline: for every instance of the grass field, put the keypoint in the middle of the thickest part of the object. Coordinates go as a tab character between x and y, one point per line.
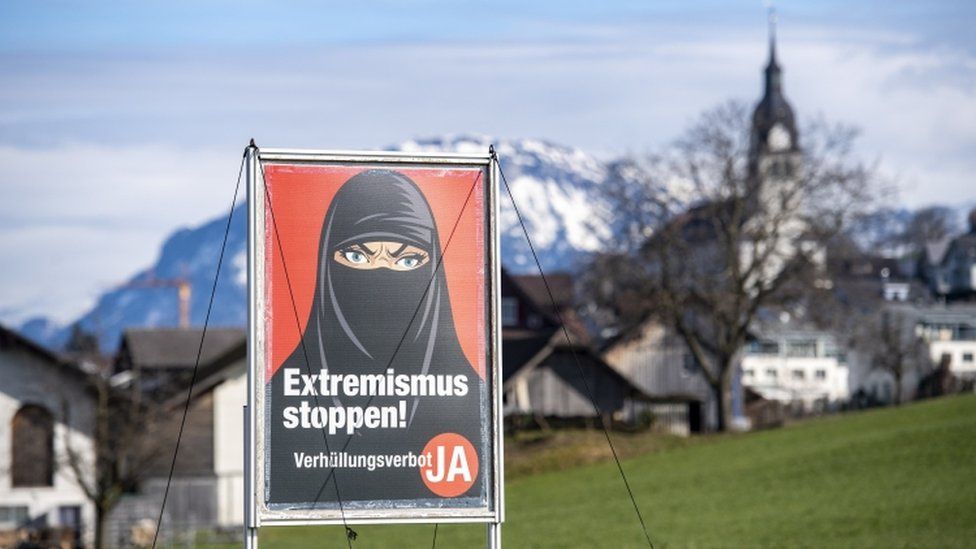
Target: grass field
886	478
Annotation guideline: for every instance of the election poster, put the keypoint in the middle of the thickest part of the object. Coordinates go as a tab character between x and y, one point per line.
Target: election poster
375	353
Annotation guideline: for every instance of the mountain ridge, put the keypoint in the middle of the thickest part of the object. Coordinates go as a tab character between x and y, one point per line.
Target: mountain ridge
556	187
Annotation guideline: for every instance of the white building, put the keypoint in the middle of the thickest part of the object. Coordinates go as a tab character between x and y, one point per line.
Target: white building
950	332
46	410
798	367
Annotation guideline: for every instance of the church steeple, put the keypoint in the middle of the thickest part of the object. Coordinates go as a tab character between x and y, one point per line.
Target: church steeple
773	125
774	75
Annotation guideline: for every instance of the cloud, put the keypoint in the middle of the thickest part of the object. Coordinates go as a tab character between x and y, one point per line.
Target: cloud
81	218
105	153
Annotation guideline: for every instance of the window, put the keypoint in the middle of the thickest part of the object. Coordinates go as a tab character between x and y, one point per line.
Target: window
799	374
821	374
967	357
32	447
13	516
764	348
69	516
802	349
509	311
772	373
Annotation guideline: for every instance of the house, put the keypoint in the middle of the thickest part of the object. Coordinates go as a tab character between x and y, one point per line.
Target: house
655	359
950	333
945	338
547	378
207	489
949	265
798	366
46	410
162	356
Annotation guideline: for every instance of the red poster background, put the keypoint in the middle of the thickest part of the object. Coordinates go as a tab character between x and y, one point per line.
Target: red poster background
300	196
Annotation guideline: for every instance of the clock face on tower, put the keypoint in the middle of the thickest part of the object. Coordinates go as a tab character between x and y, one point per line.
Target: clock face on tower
778	139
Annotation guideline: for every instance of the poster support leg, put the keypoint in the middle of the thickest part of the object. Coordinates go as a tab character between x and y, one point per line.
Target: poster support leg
494	535
250	532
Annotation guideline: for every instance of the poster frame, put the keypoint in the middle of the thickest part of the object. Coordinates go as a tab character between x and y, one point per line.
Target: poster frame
257	512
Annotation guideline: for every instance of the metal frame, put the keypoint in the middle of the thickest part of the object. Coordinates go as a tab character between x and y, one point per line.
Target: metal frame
257	514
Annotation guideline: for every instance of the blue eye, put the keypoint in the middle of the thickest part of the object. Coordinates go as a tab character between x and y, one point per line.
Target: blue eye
357	258
408	262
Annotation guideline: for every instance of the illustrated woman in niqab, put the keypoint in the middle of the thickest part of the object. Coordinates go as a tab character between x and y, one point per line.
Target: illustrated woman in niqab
381	302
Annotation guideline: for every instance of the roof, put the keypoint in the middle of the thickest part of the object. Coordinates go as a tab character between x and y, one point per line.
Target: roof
941	314
520	346
935	250
212	374
177	347
789	331
534	288
773	108
536	351
10	338
964	243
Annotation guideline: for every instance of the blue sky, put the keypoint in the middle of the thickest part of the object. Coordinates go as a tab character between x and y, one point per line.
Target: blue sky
122	121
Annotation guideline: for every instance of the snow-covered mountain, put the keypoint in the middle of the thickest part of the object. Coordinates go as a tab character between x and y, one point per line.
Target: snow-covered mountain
556	188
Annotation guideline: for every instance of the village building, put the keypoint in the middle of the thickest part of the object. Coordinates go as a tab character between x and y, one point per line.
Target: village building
946	334
47	415
207	489
948	265
548	379
950	332
799	366
655	359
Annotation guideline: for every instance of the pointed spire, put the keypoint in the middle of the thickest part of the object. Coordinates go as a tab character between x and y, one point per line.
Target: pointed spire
772	68
773	109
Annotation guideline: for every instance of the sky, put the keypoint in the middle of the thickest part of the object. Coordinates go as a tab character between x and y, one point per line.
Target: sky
121	122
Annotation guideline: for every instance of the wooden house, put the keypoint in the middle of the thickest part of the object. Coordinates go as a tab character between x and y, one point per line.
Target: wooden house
208	484
548	378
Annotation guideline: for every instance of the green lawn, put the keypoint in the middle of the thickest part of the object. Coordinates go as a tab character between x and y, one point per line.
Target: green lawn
887	478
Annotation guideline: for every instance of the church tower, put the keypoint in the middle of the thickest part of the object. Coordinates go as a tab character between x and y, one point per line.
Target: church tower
774	141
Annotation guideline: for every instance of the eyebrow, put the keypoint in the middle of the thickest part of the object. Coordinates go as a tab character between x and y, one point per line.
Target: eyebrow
398	251
361	246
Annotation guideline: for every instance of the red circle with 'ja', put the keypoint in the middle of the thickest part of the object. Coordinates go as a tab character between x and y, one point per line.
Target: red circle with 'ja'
451	466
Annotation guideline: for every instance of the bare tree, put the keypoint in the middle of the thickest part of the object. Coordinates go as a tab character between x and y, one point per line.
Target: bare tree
724	233
894	348
929	224
129	436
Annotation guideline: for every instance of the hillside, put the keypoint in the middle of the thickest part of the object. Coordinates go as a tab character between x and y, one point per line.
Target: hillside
885	478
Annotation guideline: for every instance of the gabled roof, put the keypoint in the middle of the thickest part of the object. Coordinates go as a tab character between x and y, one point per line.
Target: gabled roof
176	348
534	288
556	343
520	346
211	374
964	244
11	339
935	250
